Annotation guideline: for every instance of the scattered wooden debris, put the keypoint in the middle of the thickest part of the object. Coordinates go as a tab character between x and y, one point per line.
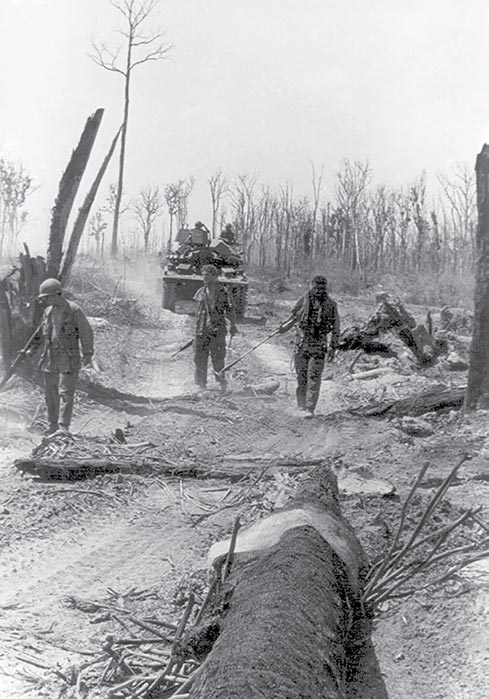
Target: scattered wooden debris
457	320
64	456
420	403
402	572
371	373
392	316
149	658
416	427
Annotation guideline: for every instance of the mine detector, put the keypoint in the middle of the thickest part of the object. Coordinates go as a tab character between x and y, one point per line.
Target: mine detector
182	268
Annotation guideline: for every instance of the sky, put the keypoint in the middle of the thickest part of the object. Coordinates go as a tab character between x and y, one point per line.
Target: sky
265	87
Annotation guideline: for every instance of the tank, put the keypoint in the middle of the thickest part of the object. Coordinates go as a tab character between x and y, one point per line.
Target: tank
182	268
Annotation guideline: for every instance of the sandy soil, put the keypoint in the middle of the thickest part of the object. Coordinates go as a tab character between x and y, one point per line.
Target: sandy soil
126	532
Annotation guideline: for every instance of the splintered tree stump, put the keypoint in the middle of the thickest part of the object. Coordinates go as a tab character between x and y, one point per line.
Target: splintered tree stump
68	188
478	378
288	622
392	316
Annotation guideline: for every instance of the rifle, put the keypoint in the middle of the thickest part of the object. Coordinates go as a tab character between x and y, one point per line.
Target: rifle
182	348
21	354
269	337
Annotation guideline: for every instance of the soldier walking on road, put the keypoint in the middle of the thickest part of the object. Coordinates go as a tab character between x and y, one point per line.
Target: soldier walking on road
315	315
214	306
63	330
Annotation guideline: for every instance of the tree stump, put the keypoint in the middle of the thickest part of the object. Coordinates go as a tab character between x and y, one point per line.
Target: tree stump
289	622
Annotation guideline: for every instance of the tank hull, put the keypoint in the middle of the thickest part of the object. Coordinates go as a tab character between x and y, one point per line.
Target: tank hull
178	287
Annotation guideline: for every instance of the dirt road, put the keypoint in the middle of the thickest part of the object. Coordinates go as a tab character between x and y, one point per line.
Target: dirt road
130	535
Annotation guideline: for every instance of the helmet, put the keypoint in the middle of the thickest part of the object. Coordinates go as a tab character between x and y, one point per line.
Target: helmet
210	269
229	227
199	224
49	287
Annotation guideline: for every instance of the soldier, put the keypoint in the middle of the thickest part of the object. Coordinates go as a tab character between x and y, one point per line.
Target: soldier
214	305
228	234
316	315
64	328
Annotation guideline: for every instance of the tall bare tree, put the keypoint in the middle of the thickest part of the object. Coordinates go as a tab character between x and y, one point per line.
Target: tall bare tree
353	180
317	182
459	197
140	47
147	208
218	187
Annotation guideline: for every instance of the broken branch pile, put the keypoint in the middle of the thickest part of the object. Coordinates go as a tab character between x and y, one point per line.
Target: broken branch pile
144	657
413	555
66	455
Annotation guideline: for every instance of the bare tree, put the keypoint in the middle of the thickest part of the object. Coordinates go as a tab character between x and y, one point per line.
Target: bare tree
177	195
140	48
243	207
147	208
110	202
459	197
218	187
15	186
351	189
317	182
97	228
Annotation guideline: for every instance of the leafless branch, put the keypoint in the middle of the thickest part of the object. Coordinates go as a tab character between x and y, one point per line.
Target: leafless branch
105	58
142	40
157	54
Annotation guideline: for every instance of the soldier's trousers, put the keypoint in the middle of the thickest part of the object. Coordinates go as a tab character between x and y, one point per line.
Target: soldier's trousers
309	368
59	392
206	344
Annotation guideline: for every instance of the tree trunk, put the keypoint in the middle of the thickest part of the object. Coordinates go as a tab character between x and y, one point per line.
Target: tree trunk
122	154
478	378
83	214
417	404
19	312
68	188
289	619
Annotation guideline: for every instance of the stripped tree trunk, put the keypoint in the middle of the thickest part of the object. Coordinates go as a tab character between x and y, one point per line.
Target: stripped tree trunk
83	214
478	378
68	187
289	622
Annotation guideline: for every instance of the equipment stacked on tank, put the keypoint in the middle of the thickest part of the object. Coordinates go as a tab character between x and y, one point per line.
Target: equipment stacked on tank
182	270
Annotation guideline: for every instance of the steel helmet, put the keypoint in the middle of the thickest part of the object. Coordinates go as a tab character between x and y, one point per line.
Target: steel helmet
50	287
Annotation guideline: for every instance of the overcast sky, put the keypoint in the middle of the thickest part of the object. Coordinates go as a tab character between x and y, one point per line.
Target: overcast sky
258	86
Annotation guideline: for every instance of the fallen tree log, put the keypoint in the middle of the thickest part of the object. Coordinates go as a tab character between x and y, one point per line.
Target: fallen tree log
419	404
288	622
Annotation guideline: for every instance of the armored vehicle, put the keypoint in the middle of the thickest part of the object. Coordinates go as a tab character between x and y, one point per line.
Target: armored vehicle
194	248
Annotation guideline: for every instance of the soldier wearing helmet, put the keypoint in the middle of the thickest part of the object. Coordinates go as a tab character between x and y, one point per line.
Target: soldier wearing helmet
214	305
64	331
